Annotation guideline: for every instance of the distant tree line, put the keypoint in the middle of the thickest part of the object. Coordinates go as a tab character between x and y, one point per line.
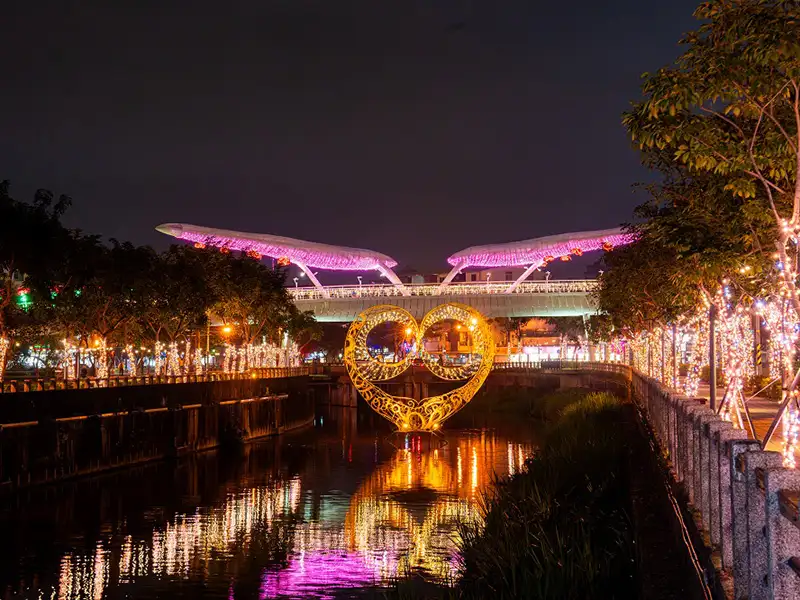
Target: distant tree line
61	284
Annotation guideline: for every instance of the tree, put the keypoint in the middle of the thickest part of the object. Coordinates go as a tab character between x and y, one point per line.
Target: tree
726	117
303	328
730	108
176	294
253	297
31	237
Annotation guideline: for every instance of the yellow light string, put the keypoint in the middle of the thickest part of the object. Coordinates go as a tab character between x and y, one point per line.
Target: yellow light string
130	360
101	359
173	361
242	365
158	358
790	422
698	356
229	358
69	358
5	343
199	365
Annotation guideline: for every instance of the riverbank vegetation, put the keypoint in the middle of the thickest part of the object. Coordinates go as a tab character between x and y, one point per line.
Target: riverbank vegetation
560	528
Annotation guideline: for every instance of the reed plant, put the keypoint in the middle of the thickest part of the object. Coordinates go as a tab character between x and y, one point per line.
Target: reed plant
559	528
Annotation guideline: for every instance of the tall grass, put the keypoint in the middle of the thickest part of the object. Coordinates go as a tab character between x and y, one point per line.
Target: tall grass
559	529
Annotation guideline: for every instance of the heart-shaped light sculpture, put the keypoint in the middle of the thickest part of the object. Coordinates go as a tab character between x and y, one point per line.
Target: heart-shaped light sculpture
409	414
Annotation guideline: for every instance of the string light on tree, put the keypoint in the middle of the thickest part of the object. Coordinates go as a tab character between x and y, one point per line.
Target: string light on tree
158	358
198	361
5	343
173	361
101	359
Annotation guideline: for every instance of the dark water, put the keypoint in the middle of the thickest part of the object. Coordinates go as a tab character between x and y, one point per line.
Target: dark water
344	506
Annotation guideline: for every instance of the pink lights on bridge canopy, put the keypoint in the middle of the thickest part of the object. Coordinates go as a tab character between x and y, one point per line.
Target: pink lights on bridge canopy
538	250
299	252
306	255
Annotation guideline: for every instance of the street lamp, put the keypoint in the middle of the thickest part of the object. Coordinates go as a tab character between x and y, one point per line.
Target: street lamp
359	280
547	275
295	282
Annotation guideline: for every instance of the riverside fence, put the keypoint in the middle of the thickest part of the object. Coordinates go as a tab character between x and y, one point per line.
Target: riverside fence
42	384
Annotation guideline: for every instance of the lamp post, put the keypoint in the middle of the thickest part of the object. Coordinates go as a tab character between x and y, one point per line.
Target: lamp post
295	282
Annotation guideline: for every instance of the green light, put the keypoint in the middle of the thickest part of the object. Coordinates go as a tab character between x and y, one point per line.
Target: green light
24	301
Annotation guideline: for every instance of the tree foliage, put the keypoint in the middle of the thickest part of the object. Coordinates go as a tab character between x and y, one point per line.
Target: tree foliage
85	290
721	126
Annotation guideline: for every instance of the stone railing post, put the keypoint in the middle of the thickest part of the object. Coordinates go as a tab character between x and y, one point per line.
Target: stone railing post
782	533
698	425
739	522
726	439
755	465
715	428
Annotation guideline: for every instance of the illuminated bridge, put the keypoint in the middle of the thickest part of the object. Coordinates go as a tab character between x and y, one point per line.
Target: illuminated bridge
517	298
528	299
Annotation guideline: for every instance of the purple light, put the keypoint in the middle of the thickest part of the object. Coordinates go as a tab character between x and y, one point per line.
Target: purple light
311	254
534	251
314	570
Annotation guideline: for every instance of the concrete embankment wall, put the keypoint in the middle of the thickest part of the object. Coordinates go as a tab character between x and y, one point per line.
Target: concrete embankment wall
52	435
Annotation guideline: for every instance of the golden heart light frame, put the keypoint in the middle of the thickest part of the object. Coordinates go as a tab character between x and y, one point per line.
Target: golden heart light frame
409	414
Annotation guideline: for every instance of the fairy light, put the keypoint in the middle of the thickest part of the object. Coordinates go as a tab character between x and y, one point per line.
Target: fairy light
697	357
791	432
736	345
70	357
101	358
130	360
199	363
228	358
158	358
5	343
187	357
173	361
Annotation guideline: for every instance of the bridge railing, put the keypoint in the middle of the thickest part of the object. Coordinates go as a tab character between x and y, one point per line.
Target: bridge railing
41	384
579	286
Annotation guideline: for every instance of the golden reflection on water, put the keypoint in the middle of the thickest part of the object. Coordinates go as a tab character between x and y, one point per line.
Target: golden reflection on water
403	516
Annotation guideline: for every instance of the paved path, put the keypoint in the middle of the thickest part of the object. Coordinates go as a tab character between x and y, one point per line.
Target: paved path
762	412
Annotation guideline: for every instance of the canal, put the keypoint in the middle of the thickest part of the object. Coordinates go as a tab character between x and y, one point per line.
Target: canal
321	513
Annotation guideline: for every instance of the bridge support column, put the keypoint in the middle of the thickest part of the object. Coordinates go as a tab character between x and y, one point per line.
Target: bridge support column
523	277
313	279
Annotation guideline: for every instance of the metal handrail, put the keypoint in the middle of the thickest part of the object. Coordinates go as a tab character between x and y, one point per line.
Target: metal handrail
43	384
578	286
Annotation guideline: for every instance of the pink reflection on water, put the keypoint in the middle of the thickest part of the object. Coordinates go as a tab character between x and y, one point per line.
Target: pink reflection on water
317	571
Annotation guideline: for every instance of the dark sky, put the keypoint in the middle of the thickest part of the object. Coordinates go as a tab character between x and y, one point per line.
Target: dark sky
412	127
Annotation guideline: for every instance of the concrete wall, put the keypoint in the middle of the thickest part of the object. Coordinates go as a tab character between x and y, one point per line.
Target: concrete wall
51	435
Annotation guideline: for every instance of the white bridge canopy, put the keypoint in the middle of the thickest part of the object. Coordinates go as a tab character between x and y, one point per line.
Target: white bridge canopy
299	252
533	253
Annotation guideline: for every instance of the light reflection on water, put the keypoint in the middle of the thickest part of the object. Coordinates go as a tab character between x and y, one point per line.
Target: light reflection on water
359	509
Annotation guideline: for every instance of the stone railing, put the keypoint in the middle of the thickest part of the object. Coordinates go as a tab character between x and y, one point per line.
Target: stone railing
42	384
746	501
581	286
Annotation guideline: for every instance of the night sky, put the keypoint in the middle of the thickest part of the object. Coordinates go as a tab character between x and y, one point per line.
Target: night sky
411	127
